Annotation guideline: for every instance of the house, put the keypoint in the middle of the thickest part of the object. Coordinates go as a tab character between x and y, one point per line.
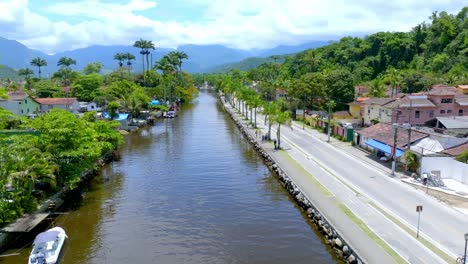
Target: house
412	109
20	103
463	89
69	104
382	135
356	108
445	166
445	98
454	124
88	107
281	93
373	110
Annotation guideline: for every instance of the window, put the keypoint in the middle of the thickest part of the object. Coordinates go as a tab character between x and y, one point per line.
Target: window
449	111
416	114
27	110
368	111
442	111
21	110
431	113
446	101
92	107
25	101
460	112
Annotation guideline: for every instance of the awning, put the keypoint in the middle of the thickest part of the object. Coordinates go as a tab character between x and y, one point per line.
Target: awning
384	147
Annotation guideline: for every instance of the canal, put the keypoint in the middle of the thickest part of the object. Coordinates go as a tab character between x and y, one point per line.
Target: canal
187	190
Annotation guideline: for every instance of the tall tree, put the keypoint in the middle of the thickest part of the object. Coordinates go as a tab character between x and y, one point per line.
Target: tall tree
120	57
26	72
66	62
129	57
39	62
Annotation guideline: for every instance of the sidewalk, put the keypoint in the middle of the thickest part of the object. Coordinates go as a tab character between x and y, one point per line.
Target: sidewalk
328	205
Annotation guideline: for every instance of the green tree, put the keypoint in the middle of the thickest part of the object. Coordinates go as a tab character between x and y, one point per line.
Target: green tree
66	62
281	118
39	62
93	67
26	72
47	89
86	87
376	88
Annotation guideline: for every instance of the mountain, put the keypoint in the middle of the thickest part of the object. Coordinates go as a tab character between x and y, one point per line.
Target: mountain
202	58
7	72
17	55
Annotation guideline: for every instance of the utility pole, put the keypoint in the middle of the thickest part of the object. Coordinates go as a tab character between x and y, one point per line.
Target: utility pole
395	135
409	121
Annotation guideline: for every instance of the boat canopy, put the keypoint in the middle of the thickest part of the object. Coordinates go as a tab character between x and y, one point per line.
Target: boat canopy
46	237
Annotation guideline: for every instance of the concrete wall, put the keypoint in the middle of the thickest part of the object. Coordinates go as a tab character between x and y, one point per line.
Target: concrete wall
449	168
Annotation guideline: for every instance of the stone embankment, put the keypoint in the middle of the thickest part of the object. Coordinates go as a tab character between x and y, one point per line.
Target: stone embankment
331	235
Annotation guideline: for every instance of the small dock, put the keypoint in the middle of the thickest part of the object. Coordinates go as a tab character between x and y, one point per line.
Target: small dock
25	223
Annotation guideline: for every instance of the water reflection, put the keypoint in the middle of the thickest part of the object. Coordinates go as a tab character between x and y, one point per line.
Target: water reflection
188	190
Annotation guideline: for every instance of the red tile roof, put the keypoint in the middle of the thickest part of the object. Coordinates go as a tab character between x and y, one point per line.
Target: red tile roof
377	101
384	132
457	150
17	95
56	101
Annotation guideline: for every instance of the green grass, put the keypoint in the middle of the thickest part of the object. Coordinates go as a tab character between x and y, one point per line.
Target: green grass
320	186
424	241
371	234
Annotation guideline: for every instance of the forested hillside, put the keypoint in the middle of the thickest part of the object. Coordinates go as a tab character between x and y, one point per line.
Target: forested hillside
431	53
435	50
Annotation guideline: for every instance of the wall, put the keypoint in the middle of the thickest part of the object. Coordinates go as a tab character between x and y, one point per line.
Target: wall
449	168
10	106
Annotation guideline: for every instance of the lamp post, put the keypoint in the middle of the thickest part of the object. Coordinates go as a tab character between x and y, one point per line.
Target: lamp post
466	240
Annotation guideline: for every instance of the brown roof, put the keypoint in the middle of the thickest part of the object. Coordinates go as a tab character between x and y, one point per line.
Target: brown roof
377	101
457	150
342	113
384	132
56	101
17	95
442	89
406	102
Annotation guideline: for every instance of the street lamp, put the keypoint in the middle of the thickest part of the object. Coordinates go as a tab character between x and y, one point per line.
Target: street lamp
466	240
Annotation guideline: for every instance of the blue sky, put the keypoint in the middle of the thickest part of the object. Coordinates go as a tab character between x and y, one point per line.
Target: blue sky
57	25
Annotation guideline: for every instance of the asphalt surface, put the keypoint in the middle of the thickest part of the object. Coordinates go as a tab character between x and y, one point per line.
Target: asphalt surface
366	187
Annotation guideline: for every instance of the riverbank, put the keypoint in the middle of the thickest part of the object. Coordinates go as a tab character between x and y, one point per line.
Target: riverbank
333	219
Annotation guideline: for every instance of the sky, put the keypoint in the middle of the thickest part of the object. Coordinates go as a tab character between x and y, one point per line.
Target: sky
53	26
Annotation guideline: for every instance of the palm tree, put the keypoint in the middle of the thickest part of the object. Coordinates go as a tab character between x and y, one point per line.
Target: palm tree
141	44
180	55
167	68
129	57
395	79
376	88
120	57
39	62
26	72
281	118
255	103
66	62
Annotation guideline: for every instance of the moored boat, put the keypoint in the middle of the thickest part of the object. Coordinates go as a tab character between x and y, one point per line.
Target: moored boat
47	246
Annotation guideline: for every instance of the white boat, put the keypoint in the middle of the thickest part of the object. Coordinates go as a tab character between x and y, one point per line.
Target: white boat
47	246
169	114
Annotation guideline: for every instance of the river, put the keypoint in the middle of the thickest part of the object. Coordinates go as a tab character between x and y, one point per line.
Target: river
187	190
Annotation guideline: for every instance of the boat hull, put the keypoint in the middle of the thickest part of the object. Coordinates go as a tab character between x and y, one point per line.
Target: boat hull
47	246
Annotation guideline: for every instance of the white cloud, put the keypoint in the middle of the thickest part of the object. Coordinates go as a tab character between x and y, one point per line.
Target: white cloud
242	23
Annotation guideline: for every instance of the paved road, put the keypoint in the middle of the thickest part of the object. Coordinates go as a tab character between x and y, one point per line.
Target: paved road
356	183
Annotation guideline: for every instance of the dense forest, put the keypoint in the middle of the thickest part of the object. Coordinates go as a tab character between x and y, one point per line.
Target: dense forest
431	53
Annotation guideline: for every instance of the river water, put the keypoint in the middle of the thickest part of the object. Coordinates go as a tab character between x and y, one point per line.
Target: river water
187	190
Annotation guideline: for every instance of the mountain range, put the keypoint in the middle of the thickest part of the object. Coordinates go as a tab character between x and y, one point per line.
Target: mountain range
202	58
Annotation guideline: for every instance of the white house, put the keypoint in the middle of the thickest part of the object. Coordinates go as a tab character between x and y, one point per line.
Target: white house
87	107
69	104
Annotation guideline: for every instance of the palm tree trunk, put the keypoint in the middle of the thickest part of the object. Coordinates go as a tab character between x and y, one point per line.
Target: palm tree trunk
269	130
251	112
278	136
255	121
303	118
39	72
